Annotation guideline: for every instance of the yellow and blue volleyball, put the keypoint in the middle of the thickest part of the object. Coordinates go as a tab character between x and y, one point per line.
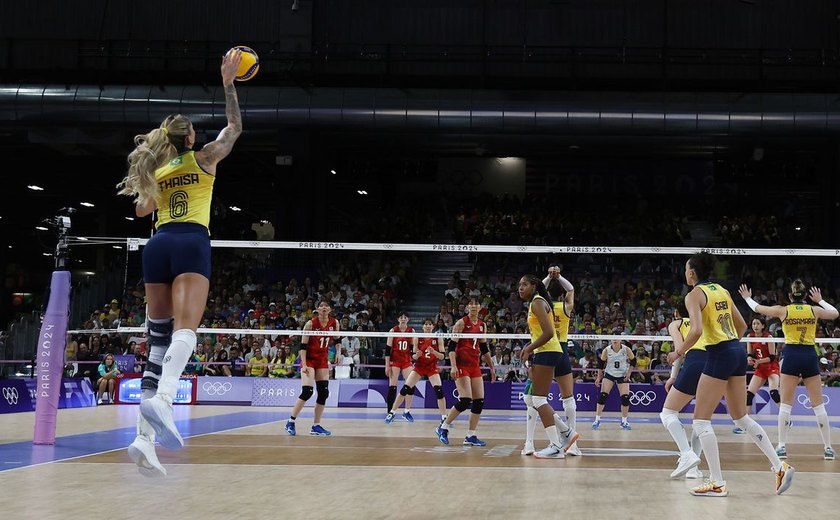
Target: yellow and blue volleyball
250	64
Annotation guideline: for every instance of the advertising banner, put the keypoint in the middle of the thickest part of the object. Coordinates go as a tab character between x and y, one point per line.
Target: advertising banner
129	392
284	392
231	390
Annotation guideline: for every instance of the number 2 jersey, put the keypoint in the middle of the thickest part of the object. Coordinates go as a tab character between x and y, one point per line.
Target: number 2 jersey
401	348
427	363
468	352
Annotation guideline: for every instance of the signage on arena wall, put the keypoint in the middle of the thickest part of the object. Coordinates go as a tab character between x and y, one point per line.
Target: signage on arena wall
231	390
125	363
19	395
285	392
129	391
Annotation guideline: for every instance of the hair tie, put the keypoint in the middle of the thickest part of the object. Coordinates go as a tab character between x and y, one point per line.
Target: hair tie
165	131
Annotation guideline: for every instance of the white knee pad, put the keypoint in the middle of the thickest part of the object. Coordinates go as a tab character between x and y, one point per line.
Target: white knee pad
702	428
569	403
668	416
529	401
538	401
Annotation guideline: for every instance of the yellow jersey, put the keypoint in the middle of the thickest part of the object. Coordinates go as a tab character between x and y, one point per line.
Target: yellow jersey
718	325
561	322
185	191
552	345
800	325
685	327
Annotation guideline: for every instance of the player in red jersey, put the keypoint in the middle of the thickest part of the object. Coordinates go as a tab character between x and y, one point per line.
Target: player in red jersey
398	361
762	356
315	366
427	353
466	371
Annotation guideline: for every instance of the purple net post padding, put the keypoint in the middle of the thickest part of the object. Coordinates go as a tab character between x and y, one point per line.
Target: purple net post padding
50	361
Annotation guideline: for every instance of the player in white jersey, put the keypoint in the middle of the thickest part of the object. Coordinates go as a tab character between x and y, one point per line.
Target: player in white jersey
617	359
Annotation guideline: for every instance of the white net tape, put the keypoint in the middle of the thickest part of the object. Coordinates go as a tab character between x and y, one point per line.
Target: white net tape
133	244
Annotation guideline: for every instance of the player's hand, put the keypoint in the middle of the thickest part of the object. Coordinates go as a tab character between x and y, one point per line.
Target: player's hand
751	361
454	373
598	382
815	294
673	356
230	63
744	291
668	384
304	370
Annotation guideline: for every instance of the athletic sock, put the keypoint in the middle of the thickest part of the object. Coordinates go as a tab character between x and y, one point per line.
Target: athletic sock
784	423
177	355
760	438
570	408
551	432
671	422
823	425
708	439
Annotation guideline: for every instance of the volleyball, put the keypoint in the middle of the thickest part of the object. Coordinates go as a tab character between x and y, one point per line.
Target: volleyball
250	64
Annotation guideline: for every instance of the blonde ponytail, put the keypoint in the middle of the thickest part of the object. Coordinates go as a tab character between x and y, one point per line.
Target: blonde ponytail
152	151
797	289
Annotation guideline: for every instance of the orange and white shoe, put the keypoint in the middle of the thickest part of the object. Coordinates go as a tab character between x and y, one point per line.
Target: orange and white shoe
784	478
710	488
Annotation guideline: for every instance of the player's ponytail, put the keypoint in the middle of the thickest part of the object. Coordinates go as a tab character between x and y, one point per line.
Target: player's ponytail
153	150
798	290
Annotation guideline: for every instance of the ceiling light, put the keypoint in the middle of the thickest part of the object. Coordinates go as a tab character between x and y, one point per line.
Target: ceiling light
86	204
361	192
798	228
129	218
41	228
35	188
332	172
235	208
83	239
117	247
263	222
47	254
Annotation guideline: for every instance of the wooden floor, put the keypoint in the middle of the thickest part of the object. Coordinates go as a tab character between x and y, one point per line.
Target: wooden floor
240	463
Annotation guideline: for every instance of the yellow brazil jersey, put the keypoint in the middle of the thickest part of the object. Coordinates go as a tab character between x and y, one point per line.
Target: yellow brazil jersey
561	322
685	327
186	191
800	325
718	325
553	345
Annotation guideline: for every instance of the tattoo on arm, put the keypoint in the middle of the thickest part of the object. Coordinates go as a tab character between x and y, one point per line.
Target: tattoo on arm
222	146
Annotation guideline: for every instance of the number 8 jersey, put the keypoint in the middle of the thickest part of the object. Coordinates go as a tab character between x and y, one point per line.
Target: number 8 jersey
186	191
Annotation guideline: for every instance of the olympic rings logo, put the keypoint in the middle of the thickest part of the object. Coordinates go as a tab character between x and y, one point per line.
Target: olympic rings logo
216	388
805	401
11	395
642	398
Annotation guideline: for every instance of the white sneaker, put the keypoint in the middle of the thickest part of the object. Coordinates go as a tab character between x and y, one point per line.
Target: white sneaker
99	401
687	461
574	450
694	473
142	451
158	411
528	449
551	452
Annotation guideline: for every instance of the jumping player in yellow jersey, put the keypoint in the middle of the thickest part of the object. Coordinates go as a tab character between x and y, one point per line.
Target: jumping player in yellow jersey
799	324
547	355
718	324
167	176
681	387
